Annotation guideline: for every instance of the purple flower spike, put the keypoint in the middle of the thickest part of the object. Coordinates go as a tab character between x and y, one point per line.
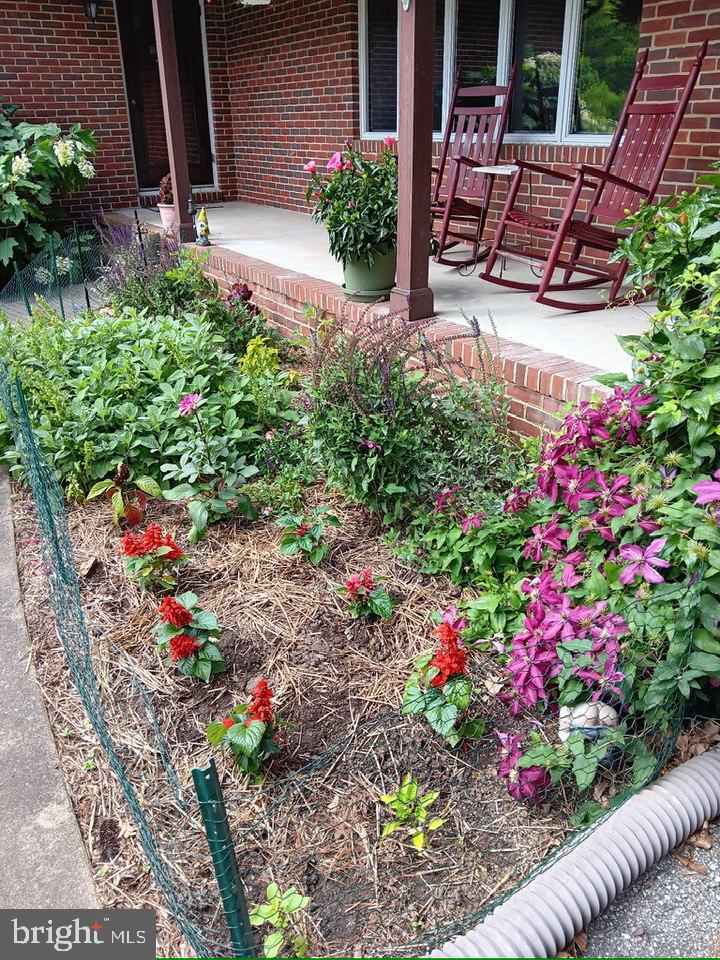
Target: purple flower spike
643	562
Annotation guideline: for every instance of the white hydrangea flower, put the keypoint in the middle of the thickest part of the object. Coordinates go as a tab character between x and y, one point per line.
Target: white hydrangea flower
21	165
43	275
85	167
63	265
64	150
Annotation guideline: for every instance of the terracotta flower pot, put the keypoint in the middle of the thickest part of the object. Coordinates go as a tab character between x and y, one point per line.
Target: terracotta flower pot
167	215
365	285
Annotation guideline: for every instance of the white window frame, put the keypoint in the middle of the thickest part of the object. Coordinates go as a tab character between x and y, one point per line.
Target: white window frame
568	73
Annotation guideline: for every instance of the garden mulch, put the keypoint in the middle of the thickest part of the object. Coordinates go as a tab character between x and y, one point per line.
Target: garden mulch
334	680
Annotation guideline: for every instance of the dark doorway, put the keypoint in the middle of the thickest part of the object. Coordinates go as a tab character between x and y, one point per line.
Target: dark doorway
142	78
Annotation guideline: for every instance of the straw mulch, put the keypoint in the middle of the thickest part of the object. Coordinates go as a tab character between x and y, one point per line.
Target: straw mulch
281	620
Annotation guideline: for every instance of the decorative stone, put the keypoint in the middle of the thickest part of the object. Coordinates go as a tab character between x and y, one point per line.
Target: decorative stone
591	719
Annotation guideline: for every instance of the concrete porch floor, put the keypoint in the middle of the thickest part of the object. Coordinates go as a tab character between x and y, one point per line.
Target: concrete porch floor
290	239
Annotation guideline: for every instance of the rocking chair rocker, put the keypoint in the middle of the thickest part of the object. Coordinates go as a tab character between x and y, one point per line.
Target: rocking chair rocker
473	138
633	168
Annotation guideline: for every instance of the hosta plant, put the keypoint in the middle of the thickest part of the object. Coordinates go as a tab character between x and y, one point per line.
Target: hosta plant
440	688
152	557
303	534
128	495
410	810
365	598
280	911
250	732
188	634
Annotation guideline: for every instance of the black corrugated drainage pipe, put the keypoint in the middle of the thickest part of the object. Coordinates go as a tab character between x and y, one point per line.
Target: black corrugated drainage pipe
545	914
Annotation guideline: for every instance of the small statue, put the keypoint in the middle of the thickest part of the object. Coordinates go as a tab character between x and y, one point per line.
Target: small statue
203	229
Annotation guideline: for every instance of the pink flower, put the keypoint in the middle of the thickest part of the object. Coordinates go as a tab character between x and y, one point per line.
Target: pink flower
623	406
445	498
335	162
389	142
310	166
474	521
612	496
516	501
529	783
509	751
453	616
370	444
542	589
575	485
604	675
644	562
708	491
551	535
189	404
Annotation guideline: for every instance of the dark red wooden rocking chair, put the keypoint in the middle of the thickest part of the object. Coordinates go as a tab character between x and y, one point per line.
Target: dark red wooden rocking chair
633	168
473	138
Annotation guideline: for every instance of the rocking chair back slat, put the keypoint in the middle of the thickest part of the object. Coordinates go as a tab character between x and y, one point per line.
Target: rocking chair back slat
644	138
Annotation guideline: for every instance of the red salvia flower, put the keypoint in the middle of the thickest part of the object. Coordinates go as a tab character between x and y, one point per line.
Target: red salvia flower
182	646
302	529
228	722
451	659
132	546
174	613
259	707
153	537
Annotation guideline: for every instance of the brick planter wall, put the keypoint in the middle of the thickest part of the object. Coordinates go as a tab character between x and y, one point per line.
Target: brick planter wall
538	384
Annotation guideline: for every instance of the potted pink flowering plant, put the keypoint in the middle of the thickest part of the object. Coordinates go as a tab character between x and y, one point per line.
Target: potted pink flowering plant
166	202
356	198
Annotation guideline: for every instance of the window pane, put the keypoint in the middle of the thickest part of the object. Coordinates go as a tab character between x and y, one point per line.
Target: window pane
478	28
536	48
608	48
382	64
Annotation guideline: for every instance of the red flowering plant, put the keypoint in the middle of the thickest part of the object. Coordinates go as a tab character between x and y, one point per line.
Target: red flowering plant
304	534
187	634
250	731
150	557
366	598
440	686
127	495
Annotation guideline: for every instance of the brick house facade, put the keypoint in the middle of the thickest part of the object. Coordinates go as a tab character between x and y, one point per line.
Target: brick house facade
284	86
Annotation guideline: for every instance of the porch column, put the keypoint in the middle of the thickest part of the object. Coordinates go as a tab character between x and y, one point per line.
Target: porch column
173	114
416	59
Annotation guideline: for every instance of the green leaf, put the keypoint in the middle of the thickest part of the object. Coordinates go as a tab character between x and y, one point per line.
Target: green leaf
150	487
247	738
98	489
215	732
273	943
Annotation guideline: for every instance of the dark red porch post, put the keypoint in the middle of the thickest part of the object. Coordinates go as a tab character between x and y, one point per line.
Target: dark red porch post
172	110
416	59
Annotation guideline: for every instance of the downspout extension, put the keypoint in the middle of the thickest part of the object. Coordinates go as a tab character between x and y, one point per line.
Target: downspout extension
544	915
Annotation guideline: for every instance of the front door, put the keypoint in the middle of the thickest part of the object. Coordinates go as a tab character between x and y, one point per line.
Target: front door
142	78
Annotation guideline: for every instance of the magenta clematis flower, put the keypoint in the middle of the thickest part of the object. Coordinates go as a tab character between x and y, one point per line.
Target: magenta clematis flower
310	166
542	589
587	426
612	496
551	535
575	485
371	445
570	577
453	616
560	622
516	501
335	162
189	404
644	562
624	407
599	522
708	491
445	498
606	632
603	675
509	751
473	521
529	668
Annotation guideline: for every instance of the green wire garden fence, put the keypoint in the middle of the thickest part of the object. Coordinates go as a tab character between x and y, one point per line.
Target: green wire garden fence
317	829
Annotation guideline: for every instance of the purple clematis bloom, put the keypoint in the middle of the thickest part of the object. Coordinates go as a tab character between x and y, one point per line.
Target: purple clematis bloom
603	675
453	616
643	562
542	589
624	406
529	784
473	521
550	535
708	491
189	404
575	485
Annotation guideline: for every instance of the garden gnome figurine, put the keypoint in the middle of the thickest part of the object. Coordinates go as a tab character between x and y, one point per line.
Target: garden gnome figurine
203	229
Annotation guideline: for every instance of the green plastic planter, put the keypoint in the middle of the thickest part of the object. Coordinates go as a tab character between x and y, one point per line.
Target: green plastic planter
364	285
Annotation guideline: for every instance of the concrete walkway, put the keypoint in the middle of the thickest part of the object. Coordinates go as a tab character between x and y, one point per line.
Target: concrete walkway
43	863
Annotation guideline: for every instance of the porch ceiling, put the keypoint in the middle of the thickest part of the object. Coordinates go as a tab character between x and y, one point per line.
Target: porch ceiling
290	239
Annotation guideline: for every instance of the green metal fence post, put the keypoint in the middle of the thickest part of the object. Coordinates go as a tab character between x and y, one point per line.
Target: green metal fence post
76	235
57	279
23	293
222	850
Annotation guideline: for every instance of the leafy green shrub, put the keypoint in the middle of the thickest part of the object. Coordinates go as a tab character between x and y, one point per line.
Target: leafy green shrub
104	390
37	161
391	422
668	237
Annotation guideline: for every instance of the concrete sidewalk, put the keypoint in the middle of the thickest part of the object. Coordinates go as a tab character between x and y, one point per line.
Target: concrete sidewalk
44	863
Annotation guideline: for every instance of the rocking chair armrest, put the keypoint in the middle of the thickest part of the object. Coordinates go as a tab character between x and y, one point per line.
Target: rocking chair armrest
546	171
599	174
